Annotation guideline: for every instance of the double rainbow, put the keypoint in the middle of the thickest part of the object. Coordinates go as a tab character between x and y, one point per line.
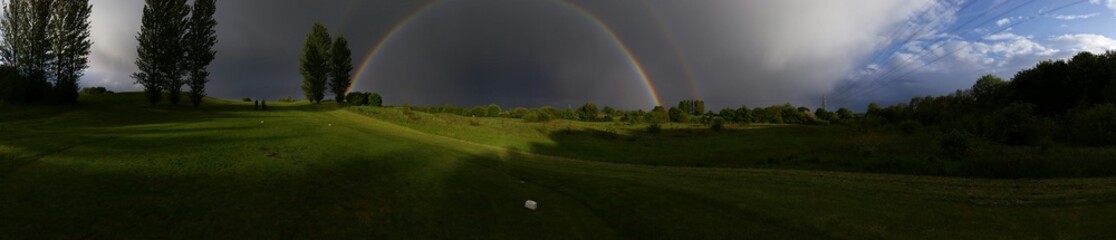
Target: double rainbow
633	62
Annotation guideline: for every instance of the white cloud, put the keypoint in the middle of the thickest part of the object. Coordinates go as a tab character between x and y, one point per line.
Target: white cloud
1111	4
1001	36
932	68
1021	46
1075	17
1087	42
1002	22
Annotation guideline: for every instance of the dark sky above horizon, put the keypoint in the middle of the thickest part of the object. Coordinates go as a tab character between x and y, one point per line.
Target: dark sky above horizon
564	53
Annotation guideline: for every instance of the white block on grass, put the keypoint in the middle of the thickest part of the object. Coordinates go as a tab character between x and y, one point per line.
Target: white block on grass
531	205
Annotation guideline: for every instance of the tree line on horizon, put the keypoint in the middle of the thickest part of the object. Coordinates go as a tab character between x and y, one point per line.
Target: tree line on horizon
1057	101
45	50
175	49
687	111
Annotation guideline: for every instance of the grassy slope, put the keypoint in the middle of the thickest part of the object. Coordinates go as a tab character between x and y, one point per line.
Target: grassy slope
832	148
116	168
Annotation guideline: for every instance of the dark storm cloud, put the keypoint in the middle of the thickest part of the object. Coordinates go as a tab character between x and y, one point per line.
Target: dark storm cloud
533	52
511	52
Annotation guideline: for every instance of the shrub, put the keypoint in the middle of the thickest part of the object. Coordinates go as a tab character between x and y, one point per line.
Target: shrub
824	114
608	110
478	111
677	115
569	114
717	124
474	122
1015	125
844	114
954	145
588	112
658	115
654	128
11	84
537	116
95	90
1094	126
909	127
375	100
451	109
357	98
728	114
518	112
494	110
288	99
246	99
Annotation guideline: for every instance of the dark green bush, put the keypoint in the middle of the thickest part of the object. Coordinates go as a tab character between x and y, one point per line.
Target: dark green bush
717	124
955	145
537	116
658	115
357	98
518	112
95	90
909	127
375	100
493	110
1094	126
654	128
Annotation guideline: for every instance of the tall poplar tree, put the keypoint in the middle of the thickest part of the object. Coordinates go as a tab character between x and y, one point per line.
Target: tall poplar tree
341	66
314	63
161	48
25	27
70	45
47	43
200	41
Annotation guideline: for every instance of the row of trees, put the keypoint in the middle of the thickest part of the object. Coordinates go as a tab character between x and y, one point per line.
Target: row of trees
95	91
1071	101
325	62
45	49
590	112
175	48
693	107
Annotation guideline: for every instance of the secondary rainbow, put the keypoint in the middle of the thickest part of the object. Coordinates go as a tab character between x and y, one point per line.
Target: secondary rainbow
670	37
636	66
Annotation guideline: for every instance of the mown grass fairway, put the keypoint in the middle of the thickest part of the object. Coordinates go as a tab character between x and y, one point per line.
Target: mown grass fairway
113	167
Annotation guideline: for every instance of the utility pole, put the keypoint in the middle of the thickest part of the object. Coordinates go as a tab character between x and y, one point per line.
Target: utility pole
824	102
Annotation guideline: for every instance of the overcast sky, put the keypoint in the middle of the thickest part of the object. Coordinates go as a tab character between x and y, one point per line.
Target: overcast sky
561	53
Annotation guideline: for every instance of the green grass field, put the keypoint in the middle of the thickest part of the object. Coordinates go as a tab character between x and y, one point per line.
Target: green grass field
114	167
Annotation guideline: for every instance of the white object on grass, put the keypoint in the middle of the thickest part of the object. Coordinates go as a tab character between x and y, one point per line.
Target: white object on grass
330	124
531	205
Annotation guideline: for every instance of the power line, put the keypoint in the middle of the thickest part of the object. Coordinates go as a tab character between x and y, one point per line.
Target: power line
938	44
895	34
960	48
891	50
934	46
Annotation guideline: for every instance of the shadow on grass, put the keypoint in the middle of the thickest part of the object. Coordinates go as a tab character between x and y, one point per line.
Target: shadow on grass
685	147
409	193
833	148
